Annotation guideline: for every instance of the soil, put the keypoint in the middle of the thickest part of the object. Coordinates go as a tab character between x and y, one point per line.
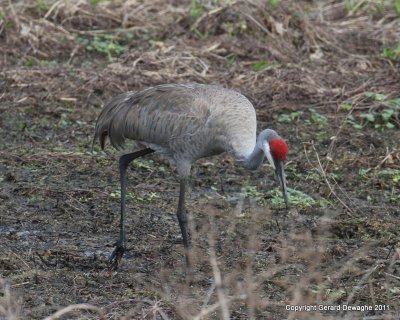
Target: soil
320	73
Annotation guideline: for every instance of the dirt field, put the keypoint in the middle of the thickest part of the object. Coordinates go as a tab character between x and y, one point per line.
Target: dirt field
324	74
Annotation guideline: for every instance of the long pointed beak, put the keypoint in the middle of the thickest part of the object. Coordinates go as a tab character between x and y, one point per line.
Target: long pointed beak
282	179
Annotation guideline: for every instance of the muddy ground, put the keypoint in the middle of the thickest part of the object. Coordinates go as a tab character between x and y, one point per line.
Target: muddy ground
324	74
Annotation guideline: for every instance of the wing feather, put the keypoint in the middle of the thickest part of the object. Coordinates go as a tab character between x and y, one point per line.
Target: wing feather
156	115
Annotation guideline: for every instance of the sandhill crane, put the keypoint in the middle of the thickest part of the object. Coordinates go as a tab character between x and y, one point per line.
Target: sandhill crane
186	122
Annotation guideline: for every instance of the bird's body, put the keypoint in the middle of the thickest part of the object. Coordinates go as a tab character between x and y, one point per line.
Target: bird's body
183	122
186	122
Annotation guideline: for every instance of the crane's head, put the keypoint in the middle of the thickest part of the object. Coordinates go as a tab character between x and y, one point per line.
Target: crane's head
275	149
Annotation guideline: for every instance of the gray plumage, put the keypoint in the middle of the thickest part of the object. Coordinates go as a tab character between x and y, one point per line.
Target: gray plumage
185	122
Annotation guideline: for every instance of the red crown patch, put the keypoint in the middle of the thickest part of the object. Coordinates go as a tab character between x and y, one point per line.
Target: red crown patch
279	148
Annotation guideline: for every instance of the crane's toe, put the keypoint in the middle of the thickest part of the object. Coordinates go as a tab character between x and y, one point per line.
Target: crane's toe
116	255
178	239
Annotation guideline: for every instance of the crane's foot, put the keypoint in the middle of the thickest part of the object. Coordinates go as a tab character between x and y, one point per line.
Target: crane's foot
116	255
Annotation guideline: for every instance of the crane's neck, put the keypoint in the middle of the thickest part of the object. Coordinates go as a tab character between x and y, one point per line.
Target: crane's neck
254	160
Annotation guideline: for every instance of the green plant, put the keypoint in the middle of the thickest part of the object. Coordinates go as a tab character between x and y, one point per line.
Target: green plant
349	4
351	120
64	121
5	22
315	119
386	117
375	96
289	117
262	65
335	293
28	63
252	192
346	107
21	125
229	27
362	173
107	44
41	7
49	63
242	26
320	120
35	198
380	120
395	291
390	174
80	122
369	117
117	195
273	3
196	9
380	7
231	59
396	7
383	118
392	54
201	35
234	28
95	2
143	164
296	198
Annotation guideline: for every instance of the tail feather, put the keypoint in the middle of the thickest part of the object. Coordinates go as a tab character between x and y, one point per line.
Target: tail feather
109	122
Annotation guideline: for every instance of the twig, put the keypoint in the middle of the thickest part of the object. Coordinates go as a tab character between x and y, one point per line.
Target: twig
208	296
204	312
73	307
22	260
55	5
323	173
155	308
383	161
392	275
355	8
257	23
215	306
20	284
363	279
218	280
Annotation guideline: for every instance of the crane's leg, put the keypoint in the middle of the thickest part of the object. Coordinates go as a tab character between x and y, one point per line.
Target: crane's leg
120	247
183	220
